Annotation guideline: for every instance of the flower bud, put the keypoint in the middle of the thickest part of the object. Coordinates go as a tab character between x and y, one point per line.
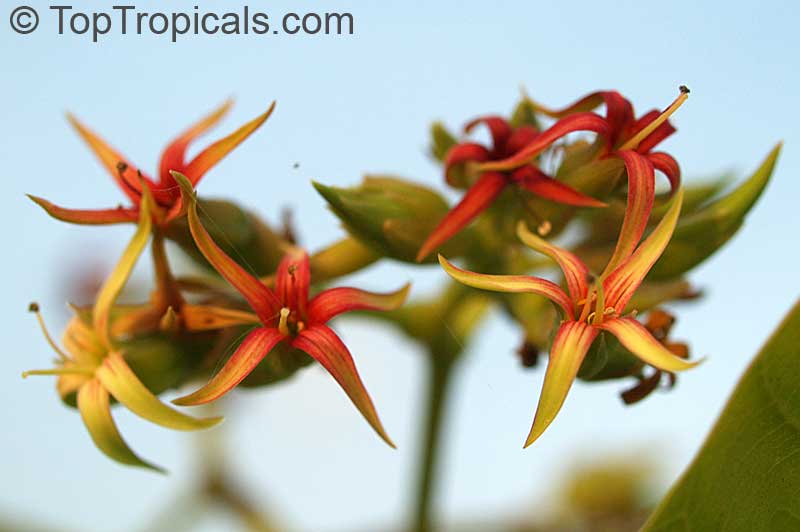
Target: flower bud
391	215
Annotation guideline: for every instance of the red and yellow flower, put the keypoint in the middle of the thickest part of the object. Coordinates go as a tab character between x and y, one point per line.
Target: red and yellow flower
94	367
512	159
285	314
506	143
131	179
591	307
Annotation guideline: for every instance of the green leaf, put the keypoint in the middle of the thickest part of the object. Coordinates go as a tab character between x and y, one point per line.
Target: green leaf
441	141
392	216
701	234
746	477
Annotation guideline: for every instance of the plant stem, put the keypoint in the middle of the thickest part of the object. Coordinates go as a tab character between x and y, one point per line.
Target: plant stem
438	384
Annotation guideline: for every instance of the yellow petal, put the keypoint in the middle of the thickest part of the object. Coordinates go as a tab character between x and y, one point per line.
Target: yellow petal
510	283
95	411
626	278
208	317
126	388
570	345
119	276
575	271
641	343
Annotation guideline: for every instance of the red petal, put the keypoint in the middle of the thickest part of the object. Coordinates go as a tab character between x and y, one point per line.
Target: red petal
210	156
521	137
565	126
174	156
330	303
260	298
619	111
326	348
460	154
476	200
575	271
292	280
247	356
87	216
498	127
541	184
623	281
115	163
659	134
667	165
641	195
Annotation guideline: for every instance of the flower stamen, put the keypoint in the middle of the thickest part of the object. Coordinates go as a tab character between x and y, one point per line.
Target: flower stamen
633	142
34	308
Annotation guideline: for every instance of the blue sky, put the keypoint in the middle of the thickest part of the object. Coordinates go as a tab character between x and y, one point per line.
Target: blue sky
350	105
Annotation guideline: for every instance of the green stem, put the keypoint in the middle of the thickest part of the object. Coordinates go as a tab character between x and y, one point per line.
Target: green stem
438	384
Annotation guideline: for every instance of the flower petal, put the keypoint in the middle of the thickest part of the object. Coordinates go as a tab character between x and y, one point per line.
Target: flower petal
118	378
119	276
498	128
247	356
510	283
95	411
460	154
654	124
660	133
575	271
641	343
476	200
174	156
209	317
569	348
322	344
112	161
330	303
641	195
531	178
210	156
521	137
622	282
260	298
292	280
667	165
565	126
87	216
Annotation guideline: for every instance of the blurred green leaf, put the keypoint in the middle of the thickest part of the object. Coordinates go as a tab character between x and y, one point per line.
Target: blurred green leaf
391	215
701	234
747	475
441	141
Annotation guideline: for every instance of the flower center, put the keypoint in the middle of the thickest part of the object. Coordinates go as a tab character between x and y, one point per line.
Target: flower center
289	323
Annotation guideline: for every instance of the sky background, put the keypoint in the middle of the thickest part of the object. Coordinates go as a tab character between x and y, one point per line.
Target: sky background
362	103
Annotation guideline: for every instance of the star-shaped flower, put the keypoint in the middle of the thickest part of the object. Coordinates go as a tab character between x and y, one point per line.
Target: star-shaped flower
589	308
285	314
94	366
131	180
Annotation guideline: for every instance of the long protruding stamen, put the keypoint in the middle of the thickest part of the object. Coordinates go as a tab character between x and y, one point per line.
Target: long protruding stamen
600	307
66	370
34	307
283	325
634	141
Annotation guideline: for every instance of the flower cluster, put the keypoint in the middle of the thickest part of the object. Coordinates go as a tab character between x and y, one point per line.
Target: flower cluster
628	255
